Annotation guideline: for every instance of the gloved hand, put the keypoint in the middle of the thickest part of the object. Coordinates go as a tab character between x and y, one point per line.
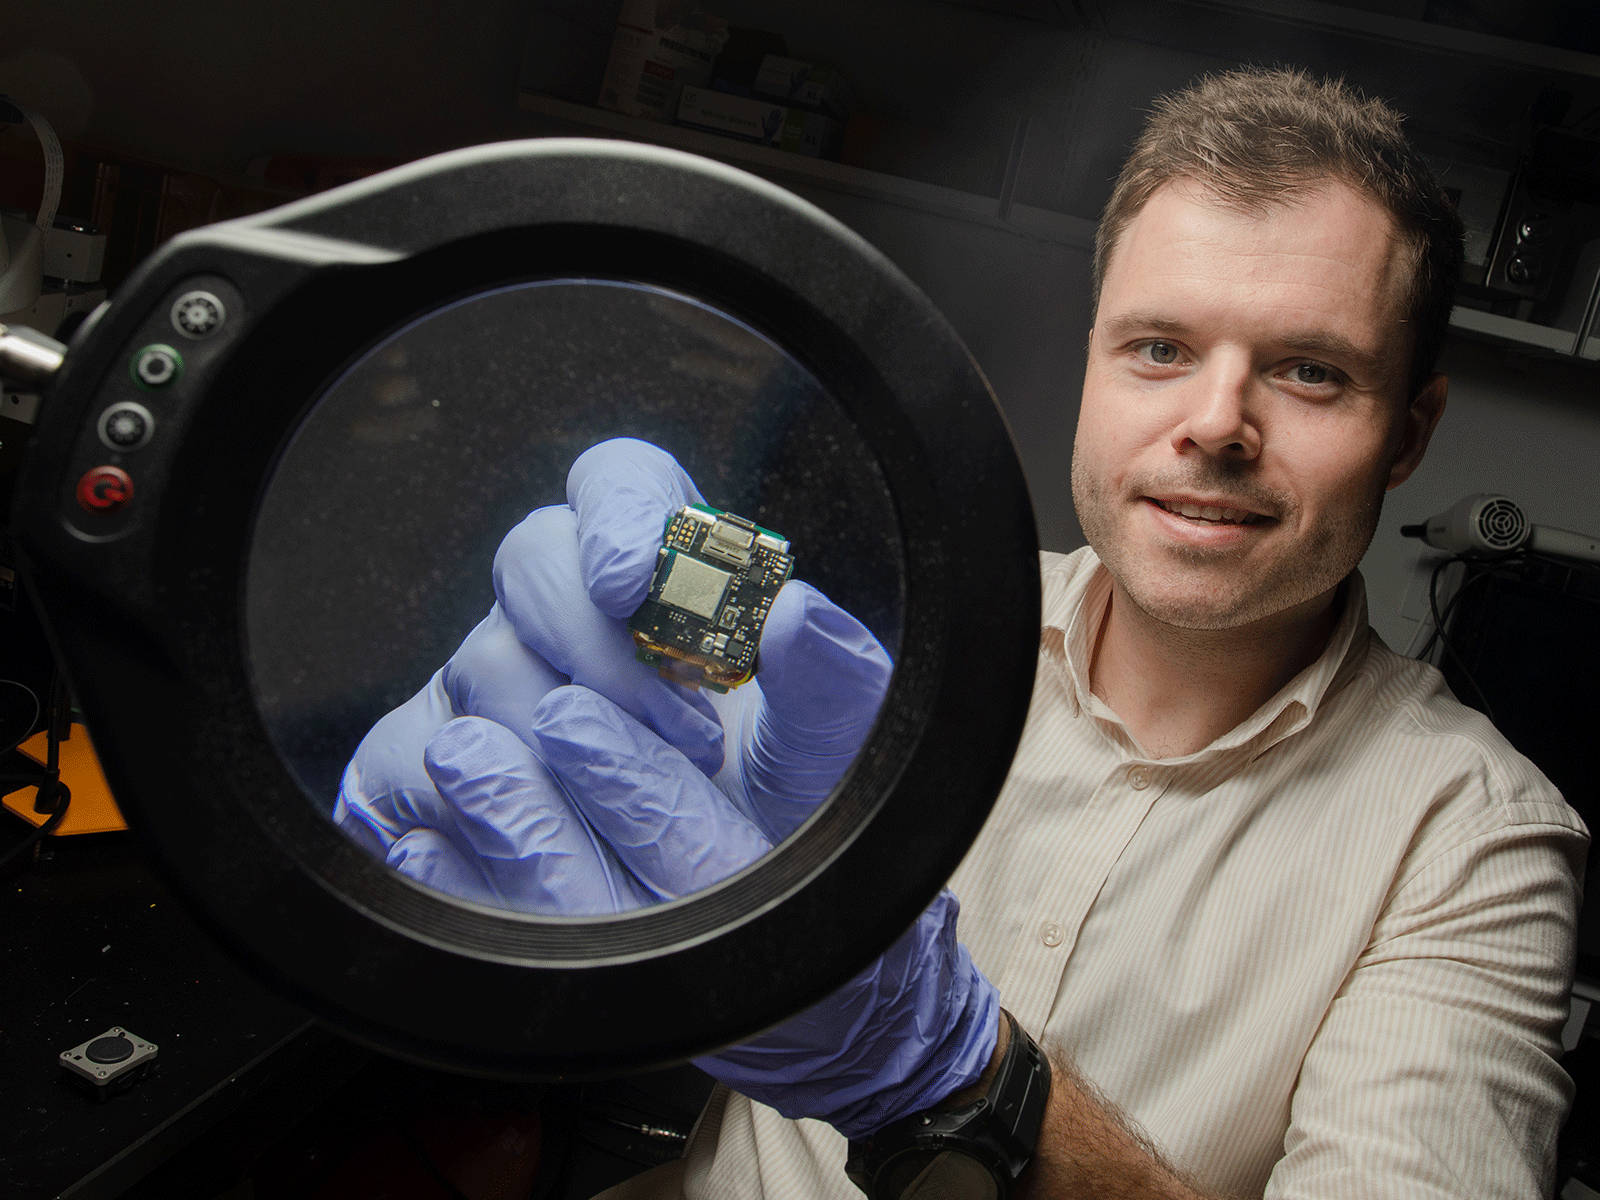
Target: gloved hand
917	1024
545	769
566	579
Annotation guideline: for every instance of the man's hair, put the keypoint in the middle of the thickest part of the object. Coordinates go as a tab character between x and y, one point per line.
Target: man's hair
1254	138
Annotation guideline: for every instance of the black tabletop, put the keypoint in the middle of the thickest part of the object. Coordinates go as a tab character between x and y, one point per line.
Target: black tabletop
91	939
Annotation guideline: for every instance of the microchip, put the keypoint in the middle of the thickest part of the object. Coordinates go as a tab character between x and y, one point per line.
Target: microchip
715	578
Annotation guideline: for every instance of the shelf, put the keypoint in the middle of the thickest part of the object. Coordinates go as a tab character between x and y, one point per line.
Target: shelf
1506	329
784	167
1025	220
1133	22
1057	13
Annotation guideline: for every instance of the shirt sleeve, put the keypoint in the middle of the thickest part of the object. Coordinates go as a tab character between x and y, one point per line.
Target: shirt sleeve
1434	1072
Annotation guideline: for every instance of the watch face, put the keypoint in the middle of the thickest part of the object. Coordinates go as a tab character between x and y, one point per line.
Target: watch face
932	1173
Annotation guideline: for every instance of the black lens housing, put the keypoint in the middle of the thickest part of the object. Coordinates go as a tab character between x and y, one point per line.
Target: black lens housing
145	605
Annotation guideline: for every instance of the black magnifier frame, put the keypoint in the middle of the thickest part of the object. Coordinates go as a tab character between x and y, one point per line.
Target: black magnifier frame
146	604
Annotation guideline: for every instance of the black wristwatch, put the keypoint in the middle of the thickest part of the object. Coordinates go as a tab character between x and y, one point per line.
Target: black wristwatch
975	1151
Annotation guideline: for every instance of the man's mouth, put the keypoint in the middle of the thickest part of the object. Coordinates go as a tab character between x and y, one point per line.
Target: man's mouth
1210	514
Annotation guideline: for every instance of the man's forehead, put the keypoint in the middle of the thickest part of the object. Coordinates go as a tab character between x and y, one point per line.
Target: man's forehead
1326	263
1316	216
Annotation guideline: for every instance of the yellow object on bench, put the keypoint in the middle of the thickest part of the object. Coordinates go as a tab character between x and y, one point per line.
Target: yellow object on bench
92	809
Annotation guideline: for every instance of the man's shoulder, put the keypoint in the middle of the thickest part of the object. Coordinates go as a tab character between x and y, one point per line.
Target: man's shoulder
1415	722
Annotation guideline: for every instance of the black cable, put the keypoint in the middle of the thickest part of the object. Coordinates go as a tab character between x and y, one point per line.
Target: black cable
1471	577
49	779
1580	121
1433	586
63	800
1439	619
422	1156
32	721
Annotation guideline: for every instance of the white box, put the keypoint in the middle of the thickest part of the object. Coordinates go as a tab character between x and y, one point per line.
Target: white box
649	67
810	85
771	124
74	251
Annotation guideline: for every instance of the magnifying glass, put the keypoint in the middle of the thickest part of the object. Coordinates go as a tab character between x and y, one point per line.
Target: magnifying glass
267	484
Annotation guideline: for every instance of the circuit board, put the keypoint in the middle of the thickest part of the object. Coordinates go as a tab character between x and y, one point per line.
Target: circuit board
715	578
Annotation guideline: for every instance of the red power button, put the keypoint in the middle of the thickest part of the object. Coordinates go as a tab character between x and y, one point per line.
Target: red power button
105	489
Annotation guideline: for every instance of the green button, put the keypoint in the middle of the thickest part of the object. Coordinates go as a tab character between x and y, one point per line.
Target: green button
156	366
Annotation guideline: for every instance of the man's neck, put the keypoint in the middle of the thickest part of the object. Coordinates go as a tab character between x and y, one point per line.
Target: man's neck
1178	690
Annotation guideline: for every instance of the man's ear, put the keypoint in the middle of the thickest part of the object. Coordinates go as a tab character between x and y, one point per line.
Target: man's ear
1422	416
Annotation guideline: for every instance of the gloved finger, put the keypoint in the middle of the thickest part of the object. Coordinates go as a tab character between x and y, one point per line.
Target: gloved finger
385	791
623	492
536	579
821	670
822	678
491	674
494	675
428	856
511	814
666	821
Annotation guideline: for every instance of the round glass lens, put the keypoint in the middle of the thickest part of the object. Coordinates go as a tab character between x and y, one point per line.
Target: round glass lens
371	609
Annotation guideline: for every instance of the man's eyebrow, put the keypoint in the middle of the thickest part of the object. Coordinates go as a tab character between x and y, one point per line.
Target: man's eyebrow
1323	344
1129	323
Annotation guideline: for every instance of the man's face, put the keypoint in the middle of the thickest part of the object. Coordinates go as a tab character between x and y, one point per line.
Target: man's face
1244	407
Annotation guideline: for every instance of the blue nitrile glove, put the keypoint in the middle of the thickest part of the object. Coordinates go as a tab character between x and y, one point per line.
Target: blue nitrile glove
499	782
566	579
820	675
917	1024
600	816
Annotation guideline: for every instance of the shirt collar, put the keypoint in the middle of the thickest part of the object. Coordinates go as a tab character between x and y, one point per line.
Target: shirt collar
1076	594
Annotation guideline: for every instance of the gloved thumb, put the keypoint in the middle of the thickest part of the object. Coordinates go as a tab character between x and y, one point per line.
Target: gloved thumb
665	821
822	676
623	492
821	670
527	839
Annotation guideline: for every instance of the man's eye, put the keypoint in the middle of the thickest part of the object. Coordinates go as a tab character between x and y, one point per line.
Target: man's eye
1311	373
1164	353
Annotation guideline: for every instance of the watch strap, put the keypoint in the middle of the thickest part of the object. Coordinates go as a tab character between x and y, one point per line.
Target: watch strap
997	1132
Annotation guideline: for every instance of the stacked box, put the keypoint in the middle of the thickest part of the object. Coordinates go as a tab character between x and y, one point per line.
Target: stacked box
649	67
809	133
806	85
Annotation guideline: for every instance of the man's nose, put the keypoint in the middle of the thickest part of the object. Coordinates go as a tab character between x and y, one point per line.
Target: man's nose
1218	415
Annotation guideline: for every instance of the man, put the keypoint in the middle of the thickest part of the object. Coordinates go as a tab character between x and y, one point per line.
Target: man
1288	920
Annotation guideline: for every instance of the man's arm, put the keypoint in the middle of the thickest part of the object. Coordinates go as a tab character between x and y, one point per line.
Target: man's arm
1435	1065
1433	1073
1088	1149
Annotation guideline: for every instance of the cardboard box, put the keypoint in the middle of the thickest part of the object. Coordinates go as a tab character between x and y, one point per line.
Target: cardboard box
649	66
808	133
807	85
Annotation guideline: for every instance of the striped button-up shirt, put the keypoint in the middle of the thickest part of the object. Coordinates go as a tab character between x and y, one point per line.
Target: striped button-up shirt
1326	956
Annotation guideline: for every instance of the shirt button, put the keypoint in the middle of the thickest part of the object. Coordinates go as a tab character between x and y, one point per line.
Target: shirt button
1138	778
1051	934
